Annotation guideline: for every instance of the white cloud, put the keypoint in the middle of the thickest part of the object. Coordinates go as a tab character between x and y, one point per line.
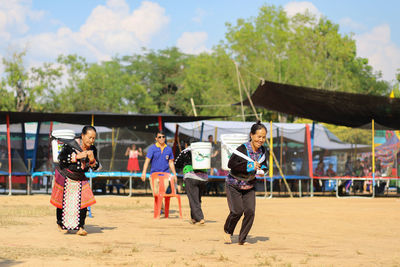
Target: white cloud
199	16
14	15
292	8
377	46
110	29
351	24
192	42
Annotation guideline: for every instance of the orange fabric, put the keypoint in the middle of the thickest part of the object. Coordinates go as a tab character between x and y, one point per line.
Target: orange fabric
57	194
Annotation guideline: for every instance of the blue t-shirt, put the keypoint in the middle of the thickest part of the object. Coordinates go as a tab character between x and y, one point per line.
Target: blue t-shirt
159	160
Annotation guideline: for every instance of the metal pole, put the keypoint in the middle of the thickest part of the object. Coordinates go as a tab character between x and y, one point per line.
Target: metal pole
130	186
271	147
9	155
310	167
201	131
373	158
160	126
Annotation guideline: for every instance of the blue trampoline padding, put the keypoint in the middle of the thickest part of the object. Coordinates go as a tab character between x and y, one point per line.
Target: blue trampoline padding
128	174
289	177
45	173
114	174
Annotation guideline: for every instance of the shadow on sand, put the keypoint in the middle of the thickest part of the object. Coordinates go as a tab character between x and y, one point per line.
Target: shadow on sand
7	262
251	239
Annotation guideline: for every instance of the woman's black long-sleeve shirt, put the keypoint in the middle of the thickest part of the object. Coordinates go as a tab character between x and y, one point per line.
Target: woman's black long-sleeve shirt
75	169
243	170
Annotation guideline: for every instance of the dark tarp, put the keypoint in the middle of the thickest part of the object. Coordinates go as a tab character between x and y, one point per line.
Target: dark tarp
100	119
347	109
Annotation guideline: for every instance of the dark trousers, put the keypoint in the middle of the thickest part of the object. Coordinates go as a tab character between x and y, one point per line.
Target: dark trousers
82	217
194	190
240	202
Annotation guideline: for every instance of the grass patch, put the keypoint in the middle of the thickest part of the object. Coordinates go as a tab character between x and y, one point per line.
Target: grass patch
15	253
107	250
205	253
27	211
9	214
135	249
131	206
304	261
223	258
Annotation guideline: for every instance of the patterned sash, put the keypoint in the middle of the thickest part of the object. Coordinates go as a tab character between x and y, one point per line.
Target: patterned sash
71	204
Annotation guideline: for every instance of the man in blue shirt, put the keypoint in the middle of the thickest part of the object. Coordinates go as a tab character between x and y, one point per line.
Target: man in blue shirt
161	158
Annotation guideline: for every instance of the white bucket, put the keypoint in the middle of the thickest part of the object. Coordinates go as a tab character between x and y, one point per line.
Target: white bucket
232	141
57	145
201	155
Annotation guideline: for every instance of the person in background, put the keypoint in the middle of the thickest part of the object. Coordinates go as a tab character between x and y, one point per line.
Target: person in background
240	183
160	157
344	185
330	172
358	185
214	154
71	193
195	184
319	172
133	154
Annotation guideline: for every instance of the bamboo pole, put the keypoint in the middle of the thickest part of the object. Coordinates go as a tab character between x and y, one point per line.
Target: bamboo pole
280	169
240	90
193	107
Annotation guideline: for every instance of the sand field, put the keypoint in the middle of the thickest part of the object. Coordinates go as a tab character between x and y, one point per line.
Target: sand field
319	231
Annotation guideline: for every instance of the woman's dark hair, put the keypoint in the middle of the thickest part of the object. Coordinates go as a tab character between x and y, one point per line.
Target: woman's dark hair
88	128
257	126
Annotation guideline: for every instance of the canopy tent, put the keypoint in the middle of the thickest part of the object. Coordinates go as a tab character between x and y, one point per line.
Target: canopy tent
323	138
97	118
15	130
340	108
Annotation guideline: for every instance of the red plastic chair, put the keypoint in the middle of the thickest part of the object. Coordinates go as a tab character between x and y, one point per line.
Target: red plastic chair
161	178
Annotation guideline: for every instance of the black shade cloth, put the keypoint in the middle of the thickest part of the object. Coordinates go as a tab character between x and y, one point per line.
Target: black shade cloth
340	108
100	119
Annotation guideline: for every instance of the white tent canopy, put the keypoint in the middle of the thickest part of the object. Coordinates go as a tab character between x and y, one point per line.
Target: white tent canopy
31	128
323	138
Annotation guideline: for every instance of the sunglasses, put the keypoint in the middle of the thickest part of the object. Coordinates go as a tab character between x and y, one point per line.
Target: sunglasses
161	136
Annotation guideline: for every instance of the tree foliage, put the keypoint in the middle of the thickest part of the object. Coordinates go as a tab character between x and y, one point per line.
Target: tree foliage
301	50
32	89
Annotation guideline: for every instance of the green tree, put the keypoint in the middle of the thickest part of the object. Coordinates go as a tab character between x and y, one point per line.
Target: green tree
161	73
105	86
208	79
6	98
75	70
33	89
300	50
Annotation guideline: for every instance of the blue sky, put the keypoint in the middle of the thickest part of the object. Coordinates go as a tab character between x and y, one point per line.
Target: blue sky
101	29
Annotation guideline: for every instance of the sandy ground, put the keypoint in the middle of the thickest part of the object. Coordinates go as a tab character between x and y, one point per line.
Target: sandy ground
320	231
